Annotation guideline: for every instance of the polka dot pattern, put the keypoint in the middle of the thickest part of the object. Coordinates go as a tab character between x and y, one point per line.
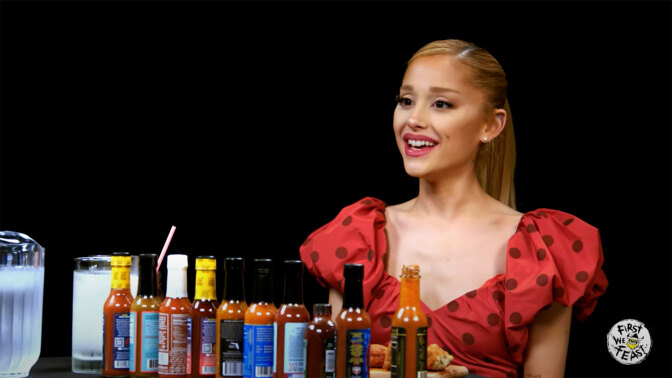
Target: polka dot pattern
542	280
541	254
548	240
366	202
380	294
582	276
531	228
385	321
511	284
453	306
471	294
558	292
347	220
515	318
568	221
577	246
514	252
468	338
370	255
314	256
498	295
493	319
341	252
305	242
429	321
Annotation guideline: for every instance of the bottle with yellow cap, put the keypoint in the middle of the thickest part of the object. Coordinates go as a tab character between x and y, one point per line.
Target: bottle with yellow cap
202	358
117	318
409	329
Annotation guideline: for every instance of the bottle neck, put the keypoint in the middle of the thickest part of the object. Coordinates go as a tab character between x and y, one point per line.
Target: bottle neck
410	292
176	286
147	283
352	293
205	285
235	286
293	290
262	289
121	278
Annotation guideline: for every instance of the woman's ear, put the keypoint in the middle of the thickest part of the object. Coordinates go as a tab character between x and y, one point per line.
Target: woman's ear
495	125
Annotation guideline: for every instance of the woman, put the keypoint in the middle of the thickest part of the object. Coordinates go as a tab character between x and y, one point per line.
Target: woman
499	287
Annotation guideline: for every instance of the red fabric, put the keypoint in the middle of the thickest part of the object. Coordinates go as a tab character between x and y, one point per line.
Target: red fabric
553	256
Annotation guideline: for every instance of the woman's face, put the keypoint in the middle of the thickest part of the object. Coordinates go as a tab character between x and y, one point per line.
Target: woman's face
439	120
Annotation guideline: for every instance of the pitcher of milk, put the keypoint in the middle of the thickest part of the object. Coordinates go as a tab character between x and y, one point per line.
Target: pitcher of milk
21	291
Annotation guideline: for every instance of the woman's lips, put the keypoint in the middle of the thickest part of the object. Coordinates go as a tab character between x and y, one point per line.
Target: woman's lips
418	145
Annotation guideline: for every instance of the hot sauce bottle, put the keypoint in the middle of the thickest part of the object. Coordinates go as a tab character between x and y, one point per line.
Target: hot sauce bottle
258	326
203	320
174	320
353	327
144	346
290	324
230	319
319	346
117	318
409	329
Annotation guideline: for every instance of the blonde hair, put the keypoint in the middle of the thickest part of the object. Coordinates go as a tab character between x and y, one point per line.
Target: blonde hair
496	160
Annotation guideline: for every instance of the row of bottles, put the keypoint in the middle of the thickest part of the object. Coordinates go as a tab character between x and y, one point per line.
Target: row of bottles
146	336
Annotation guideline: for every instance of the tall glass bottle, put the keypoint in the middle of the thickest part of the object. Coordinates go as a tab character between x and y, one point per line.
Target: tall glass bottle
353	327
230	319
320	343
117	317
290	324
144	345
203	320
409	329
174	320
258	326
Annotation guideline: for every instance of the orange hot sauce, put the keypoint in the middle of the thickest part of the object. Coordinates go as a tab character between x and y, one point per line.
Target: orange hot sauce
230	319
174	320
320	343
144	321
203	320
409	329
289	325
117	318
258	326
353	327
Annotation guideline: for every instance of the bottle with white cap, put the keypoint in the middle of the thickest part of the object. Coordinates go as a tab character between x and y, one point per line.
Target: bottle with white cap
174	320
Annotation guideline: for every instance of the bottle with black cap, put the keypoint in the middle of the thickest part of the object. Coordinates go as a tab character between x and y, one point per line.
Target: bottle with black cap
144	356
290	325
201	357
230	319
353	327
258	326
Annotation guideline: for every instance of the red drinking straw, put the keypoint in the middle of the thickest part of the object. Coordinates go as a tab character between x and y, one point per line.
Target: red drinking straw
165	248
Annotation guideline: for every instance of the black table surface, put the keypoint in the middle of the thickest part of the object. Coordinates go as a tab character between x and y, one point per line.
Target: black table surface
57	367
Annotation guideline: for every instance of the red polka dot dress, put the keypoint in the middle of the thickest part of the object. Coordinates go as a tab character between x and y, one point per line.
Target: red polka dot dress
553	257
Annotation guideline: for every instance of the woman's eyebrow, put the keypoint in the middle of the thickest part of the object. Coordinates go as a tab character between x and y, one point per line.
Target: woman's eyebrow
431	89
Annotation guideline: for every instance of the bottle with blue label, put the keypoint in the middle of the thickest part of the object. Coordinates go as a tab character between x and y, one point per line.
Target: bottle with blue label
353	327
117	318
144	345
258	326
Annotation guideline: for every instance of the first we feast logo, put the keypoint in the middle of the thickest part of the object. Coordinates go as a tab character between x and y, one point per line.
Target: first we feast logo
629	342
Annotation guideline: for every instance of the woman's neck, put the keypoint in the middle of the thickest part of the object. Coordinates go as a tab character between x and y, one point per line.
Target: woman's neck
449	197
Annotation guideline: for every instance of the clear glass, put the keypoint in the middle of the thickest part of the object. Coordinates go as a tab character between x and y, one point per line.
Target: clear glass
90	288
21	293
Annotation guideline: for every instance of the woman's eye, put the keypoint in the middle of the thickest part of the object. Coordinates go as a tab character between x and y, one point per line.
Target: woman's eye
443	105
403	101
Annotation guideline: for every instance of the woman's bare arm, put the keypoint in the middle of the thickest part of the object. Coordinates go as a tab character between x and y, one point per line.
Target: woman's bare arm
547	344
336	302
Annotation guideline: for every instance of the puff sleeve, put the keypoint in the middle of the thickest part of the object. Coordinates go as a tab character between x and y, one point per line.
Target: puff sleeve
554	257
356	235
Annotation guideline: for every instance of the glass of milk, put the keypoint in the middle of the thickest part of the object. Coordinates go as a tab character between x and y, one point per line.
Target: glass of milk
21	293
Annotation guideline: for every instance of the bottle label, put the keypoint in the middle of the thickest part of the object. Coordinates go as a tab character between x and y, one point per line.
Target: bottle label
132	343
205	285
258	350
231	348
121	277
149	342
207	361
293	352
121	340
173	343
330	357
398	352
356	352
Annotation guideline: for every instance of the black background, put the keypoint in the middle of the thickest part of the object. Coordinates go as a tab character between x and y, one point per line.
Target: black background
249	125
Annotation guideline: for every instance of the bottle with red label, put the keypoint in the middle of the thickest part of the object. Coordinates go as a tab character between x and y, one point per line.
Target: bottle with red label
202	358
174	320
289	325
117	318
